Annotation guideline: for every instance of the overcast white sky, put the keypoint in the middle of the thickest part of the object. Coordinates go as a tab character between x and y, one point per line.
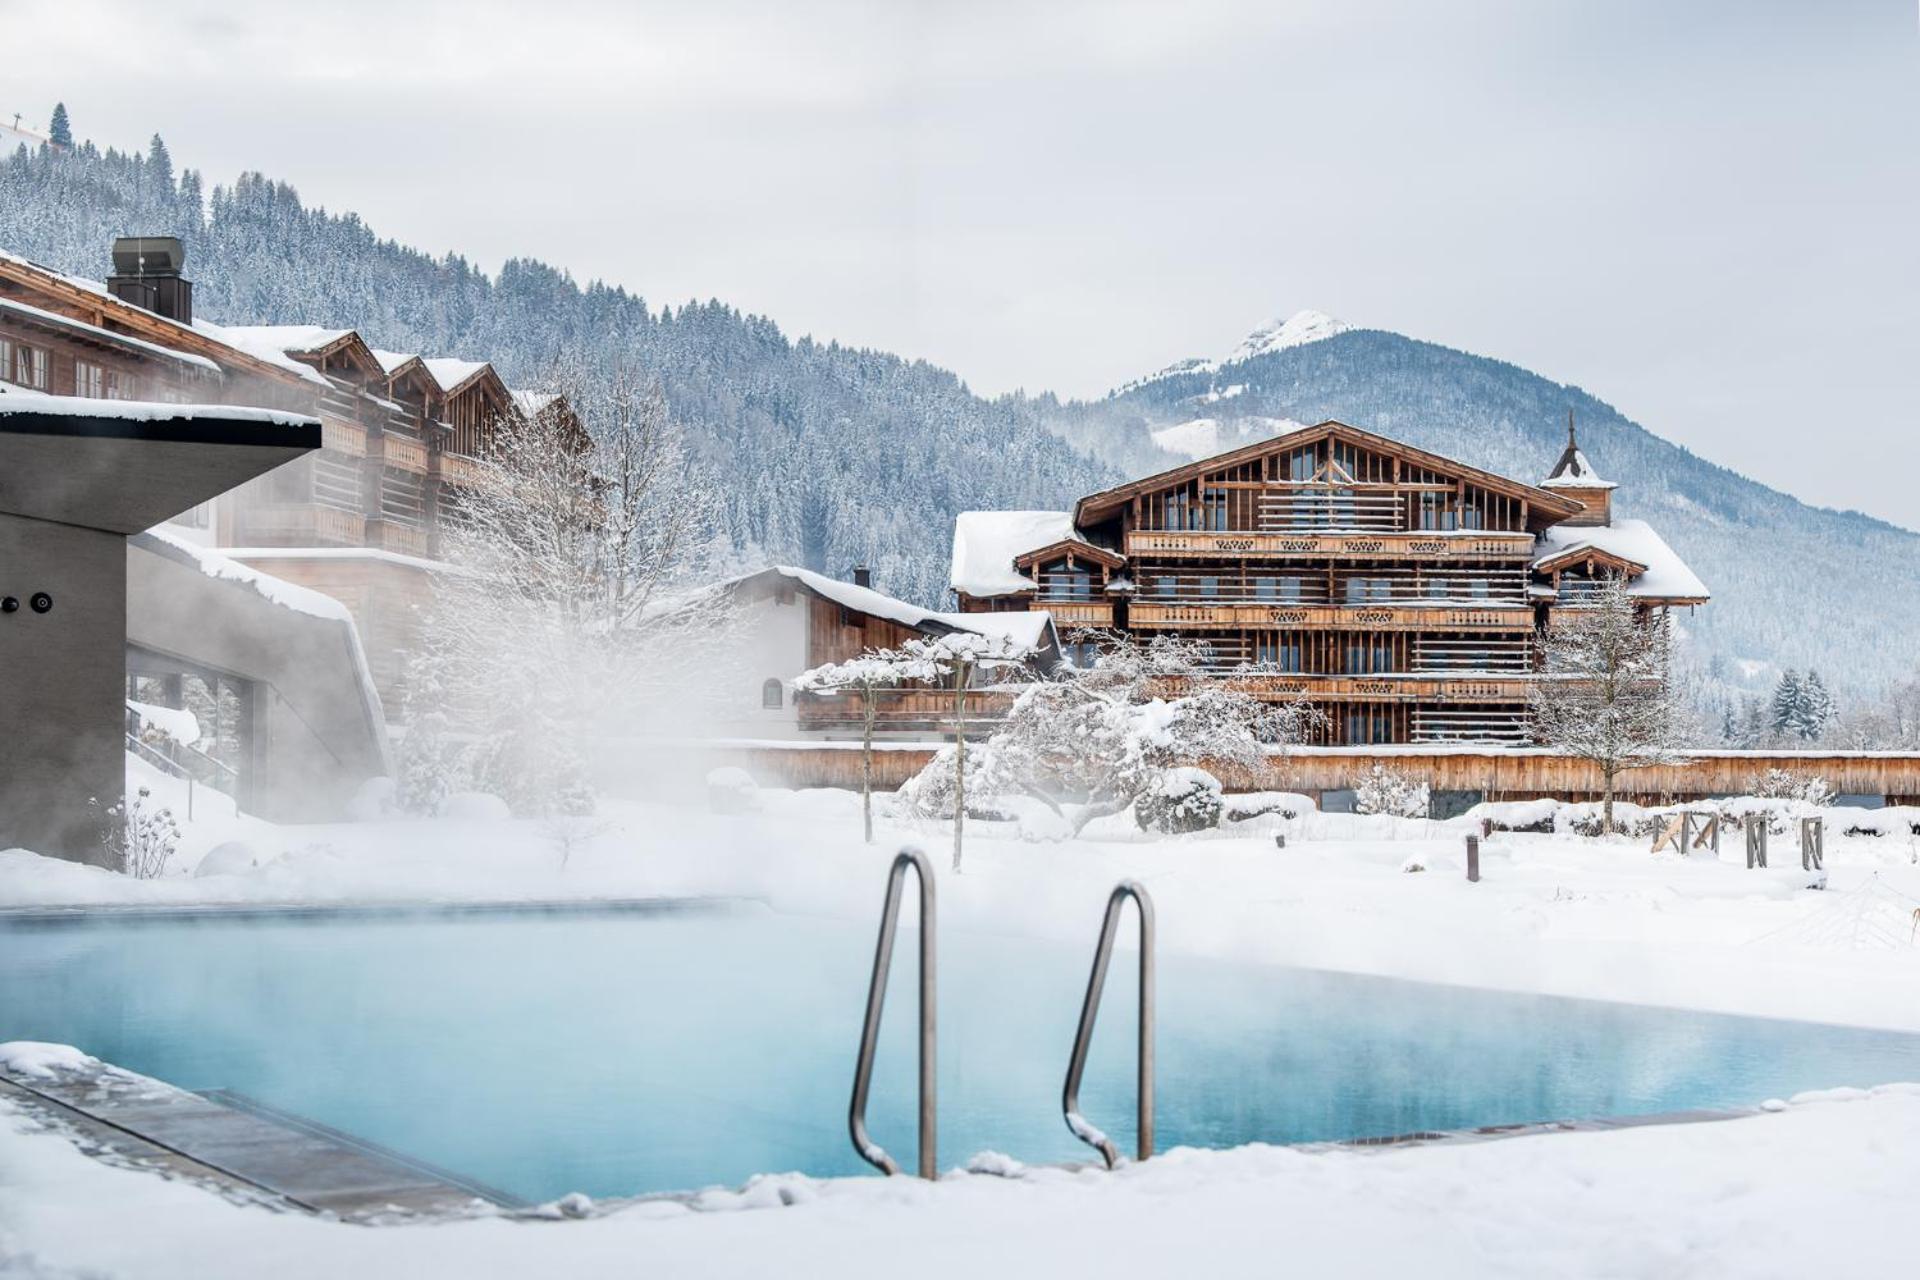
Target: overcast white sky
1704	213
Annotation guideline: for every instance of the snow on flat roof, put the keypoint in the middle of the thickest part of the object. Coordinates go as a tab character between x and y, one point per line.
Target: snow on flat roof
985	543
450	372
289	595
1023	628
380	554
1667	575
119	339
20	400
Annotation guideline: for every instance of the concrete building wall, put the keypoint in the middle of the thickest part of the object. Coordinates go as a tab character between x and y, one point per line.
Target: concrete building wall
61	728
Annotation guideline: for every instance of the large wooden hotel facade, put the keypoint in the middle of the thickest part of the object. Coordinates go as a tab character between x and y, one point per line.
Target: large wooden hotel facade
1400	592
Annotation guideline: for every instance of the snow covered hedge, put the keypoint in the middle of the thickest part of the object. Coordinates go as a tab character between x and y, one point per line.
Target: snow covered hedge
1179	801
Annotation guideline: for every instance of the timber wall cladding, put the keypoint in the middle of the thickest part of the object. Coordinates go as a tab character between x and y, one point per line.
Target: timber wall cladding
1497	775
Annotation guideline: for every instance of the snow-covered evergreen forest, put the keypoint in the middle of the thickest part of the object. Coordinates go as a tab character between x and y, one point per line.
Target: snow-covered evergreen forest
827	456
830	457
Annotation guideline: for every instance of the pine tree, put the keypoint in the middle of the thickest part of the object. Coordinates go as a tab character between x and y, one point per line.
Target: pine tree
61	131
1789	704
1816	707
160	166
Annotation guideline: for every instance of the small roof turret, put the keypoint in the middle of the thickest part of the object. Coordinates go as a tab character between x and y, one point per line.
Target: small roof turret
1573	471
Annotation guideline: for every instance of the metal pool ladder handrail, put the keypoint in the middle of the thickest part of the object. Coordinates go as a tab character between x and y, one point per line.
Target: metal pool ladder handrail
869	1150
1083	1039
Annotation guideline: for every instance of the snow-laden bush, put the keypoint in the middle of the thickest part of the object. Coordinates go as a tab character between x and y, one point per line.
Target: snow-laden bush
1391	792
1590	819
138	835
929	793
229	858
1784	784
1894	820
1285	805
731	790
1414	862
1535	816
475	806
1179	801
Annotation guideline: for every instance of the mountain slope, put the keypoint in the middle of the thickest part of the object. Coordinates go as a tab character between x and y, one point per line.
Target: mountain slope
1793	585
828	456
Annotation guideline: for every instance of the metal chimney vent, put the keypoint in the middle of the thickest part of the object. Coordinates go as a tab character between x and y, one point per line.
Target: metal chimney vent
146	273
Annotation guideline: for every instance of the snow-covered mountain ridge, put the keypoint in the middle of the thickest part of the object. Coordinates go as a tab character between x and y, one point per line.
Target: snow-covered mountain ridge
1296	330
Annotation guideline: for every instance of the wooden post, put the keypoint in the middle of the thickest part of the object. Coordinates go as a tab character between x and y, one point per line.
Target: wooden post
1473	859
1812	844
1756	826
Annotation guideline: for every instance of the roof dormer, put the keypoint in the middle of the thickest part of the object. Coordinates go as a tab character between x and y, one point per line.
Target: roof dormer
1574	477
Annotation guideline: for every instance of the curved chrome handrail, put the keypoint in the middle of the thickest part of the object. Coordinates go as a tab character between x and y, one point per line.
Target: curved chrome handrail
1090	1010
869	1150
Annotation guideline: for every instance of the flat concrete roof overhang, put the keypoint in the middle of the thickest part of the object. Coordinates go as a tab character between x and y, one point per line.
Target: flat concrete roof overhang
76	478
124	471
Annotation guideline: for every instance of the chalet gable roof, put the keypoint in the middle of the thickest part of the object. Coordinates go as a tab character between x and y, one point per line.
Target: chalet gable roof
1074	547
1102	506
315	345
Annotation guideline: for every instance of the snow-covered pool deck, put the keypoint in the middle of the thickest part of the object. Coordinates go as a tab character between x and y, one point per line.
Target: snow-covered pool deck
1818	1184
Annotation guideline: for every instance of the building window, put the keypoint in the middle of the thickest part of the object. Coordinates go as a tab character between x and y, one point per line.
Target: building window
1300	464
1281	652
1433	512
773	694
29	366
1215	514
1362	590
89	380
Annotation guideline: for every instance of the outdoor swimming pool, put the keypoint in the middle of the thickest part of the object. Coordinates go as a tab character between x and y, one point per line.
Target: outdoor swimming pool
615	1052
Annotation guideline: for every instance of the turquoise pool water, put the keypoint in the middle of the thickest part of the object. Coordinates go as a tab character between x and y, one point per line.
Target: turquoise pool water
616	1053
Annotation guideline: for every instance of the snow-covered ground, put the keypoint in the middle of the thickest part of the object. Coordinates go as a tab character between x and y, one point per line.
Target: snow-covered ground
1558	914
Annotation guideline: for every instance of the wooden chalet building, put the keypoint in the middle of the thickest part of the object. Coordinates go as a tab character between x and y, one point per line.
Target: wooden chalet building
358	520
1398	591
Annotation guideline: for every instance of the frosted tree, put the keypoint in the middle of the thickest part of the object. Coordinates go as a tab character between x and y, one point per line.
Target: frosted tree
865	677
1789	704
1604	692
1816	707
60	132
565	613
1095	739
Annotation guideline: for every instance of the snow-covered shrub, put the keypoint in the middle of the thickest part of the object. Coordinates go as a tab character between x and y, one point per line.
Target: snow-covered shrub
138	835
1179	801
1900	820
228	858
1590	819
731	790
1536	816
475	806
1414	862
1391	792
1783	784
1285	805
929	793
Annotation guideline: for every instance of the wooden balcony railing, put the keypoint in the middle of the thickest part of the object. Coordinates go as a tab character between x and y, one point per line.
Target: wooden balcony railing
393	536
1338	546
340	436
454	468
400	453
304	525
1393	687
1516	617
1077	613
929	710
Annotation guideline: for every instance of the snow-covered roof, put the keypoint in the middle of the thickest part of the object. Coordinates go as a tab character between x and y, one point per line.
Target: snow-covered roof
1667	576
985	543
390	360
216	564
289	338
1033	628
108	335
450	372
267	352
532	402
20	400
1575	472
